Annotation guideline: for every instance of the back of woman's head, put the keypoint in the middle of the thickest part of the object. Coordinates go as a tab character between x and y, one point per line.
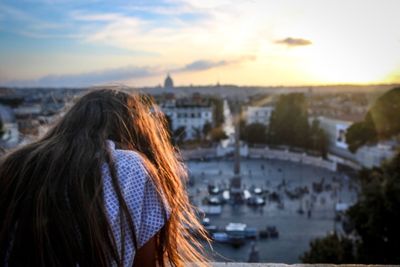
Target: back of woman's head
51	192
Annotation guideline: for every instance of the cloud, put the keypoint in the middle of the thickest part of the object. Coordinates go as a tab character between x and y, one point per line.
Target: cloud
173	9
200	65
199	25
98	77
88	78
107	76
96	17
292	42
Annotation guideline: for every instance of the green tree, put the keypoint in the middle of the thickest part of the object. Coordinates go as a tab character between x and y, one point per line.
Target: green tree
289	121
376	216
361	133
380	123
218	113
319	139
242	129
169	128
289	125
255	133
333	249
180	134
168	123
206	129
217	134
2	130
197	133
375	220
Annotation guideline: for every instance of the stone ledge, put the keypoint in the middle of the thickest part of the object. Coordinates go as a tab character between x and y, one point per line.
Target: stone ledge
227	264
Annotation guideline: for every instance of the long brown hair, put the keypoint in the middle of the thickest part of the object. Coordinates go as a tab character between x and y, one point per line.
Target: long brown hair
52	209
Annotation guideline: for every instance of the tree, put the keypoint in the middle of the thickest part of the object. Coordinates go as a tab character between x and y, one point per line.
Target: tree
319	139
2	130
375	220
197	133
255	133
180	134
361	133
218	111
289	121
289	125
332	249
217	134
380	123
206	129
376	216
168	122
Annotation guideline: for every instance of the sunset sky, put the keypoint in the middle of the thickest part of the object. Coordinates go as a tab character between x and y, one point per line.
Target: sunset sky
243	42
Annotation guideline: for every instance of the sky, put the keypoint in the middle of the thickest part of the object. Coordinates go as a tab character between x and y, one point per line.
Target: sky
69	43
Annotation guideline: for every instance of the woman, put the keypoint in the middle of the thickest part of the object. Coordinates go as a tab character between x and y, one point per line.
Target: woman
102	188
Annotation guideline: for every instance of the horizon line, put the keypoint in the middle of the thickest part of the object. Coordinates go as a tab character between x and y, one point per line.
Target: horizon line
217	85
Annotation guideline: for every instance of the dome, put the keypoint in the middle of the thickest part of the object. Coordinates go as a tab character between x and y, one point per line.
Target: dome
168	83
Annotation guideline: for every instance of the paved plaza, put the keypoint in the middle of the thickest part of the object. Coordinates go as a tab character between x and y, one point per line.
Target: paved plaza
295	230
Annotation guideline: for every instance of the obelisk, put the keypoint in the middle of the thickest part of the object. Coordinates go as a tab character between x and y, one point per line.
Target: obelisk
236	183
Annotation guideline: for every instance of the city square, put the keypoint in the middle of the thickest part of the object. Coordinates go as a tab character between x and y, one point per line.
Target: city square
296	230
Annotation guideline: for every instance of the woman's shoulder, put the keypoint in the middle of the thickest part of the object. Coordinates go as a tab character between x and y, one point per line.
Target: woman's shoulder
129	165
128	155
143	201
124	158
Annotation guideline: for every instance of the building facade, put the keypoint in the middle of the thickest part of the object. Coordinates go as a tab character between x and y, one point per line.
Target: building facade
188	113
366	156
255	114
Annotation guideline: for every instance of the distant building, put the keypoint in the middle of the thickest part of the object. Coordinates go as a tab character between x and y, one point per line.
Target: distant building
367	156
192	113
11	136
6	114
255	114
168	82
31	110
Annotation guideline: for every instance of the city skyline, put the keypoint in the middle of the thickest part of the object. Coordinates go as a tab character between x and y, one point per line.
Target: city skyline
70	43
